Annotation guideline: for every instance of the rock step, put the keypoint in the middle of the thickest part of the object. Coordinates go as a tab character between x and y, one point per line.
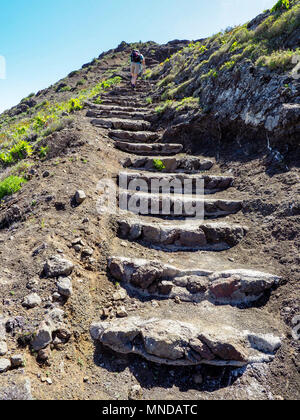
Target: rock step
120	124
230	287
119	91
149	149
107	108
124	103
121	115
137	136
169	164
131	96
177	183
183	237
176	206
166	341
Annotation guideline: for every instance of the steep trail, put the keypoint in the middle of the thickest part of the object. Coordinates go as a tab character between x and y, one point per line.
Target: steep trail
203	304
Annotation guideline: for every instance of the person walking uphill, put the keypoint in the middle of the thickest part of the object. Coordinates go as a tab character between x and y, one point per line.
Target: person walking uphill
138	64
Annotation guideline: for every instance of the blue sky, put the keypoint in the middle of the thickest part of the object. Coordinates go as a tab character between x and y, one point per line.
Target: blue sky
43	41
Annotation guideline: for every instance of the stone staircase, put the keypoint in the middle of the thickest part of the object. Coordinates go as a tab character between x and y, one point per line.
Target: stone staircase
202	311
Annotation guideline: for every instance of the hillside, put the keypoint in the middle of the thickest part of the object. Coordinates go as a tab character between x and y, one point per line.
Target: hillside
106	305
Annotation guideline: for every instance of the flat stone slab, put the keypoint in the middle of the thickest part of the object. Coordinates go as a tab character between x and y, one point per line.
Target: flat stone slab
149	149
126	103
178	183
121	124
122	113
173	205
230	287
169	164
180	343
134	136
118	102
189	237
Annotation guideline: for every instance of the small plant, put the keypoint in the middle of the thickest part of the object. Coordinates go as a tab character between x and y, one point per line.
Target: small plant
43	151
234	46
19	151
163	107
65	89
80	82
98	101
75	104
11	185
159	165
149	101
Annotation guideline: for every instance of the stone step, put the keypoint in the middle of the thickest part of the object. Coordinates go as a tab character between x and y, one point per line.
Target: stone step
117	108
134	137
120	124
178	183
121	115
169	164
124	102
189	342
176	206
230	287
131	96
128	90
183	236
149	149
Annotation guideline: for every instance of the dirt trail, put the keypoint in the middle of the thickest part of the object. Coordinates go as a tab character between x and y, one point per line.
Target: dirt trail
82	370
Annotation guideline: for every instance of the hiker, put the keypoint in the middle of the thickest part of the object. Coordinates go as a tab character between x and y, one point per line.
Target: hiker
138	64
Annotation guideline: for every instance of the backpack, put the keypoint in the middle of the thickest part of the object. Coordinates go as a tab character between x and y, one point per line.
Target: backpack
136	57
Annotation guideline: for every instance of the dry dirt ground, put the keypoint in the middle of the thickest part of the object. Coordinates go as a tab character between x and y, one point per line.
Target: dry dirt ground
80	157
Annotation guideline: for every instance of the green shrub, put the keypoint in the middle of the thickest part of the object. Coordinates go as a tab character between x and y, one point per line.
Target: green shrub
187	103
65	89
281	4
166	80
11	185
19	151
278	59
162	108
43	151
159	165
74	104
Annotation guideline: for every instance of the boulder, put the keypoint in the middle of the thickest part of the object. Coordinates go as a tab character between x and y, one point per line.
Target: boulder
64	286
5	365
57	266
32	300
17	360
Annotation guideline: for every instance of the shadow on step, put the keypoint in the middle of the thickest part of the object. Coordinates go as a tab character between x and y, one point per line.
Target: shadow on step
150	375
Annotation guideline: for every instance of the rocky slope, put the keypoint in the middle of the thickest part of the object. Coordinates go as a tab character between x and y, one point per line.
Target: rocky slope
241	86
116	306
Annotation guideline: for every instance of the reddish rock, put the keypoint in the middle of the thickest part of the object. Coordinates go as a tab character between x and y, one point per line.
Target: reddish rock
224	288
